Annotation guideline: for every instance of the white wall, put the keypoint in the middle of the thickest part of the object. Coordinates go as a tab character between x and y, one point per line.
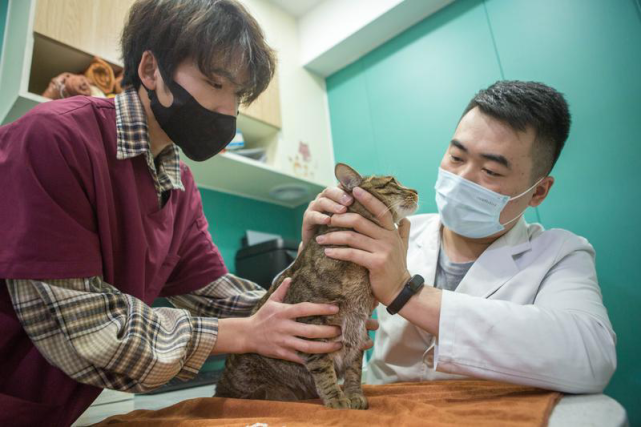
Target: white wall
303	99
332	21
337	32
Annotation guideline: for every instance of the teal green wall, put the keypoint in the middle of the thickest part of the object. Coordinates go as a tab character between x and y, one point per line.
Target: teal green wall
4	5
230	216
395	110
591	50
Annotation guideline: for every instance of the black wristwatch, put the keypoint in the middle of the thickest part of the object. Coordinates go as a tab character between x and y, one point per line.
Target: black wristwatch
408	291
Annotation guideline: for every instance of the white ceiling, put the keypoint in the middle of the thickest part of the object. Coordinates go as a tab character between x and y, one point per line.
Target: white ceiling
296	7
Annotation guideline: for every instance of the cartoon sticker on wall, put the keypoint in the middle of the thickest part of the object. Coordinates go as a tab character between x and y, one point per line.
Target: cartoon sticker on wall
303	164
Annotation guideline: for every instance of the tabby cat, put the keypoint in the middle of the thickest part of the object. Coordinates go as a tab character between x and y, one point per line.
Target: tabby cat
319	279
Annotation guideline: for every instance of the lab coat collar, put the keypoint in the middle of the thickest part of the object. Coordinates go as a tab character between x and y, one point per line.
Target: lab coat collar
491	270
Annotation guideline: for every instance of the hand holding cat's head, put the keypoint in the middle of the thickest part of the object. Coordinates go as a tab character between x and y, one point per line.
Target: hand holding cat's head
400	200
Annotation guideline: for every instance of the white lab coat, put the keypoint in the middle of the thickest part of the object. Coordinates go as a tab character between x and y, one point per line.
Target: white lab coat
529	311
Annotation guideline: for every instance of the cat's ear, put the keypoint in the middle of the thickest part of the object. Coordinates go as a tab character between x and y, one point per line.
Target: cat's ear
347	176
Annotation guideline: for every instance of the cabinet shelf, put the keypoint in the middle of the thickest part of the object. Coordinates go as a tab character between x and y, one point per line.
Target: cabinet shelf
240	176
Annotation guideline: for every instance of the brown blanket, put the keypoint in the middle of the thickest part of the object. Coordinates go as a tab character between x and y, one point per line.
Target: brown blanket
442	403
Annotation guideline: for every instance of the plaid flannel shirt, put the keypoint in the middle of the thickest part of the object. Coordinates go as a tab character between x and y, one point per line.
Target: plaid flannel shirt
100	336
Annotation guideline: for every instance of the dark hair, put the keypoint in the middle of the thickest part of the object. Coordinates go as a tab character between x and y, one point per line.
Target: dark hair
529	104
220	35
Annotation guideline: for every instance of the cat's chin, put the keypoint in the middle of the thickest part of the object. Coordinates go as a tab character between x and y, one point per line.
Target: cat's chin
404	211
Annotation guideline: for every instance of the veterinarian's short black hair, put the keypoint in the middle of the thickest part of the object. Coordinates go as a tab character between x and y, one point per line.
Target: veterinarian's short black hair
529	104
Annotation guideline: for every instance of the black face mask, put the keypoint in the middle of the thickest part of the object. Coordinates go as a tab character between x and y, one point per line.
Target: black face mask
200	133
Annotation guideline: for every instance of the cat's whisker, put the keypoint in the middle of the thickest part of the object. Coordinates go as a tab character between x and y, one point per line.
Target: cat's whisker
392	206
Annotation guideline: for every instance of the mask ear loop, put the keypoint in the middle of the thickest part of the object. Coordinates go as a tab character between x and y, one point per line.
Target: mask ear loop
526	191
521	195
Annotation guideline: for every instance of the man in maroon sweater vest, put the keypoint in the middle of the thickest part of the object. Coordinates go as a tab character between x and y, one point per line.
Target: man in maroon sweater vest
98	217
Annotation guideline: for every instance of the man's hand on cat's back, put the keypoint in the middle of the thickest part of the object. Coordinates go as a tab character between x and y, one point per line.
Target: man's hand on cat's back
276	333
380	249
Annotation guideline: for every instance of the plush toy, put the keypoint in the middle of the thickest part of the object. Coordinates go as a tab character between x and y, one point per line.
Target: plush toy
66	85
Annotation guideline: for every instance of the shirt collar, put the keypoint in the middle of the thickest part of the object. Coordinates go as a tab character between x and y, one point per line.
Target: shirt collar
133	140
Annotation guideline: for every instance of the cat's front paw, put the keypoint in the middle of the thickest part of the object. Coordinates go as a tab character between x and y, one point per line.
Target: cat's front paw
339	403
357	401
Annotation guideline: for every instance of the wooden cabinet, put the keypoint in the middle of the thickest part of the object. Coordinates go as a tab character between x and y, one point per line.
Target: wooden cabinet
95	27
47	37
92	26
267	107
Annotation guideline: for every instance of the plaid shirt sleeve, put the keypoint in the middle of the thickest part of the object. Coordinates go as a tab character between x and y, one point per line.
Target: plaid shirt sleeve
229	296
97	335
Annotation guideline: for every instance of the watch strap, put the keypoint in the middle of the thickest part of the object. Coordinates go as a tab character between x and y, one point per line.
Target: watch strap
409	290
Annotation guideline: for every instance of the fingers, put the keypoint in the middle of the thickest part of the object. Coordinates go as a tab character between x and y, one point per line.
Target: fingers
376	207
362	258
331	200
338	195
348	238
357	222
313	347
323	204
367	345
304	309
306	330
279	294
404	230
313	218
371	324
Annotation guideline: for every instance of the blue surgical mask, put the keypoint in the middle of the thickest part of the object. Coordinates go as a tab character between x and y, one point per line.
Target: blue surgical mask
469	209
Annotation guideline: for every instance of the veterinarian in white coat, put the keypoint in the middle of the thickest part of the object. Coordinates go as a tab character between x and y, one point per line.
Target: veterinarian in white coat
528	309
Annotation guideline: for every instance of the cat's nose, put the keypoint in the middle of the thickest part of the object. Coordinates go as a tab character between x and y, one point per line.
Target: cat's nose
414	196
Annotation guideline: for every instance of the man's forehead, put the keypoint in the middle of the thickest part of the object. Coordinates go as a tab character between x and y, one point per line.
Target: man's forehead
481	129
494	140
235	69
